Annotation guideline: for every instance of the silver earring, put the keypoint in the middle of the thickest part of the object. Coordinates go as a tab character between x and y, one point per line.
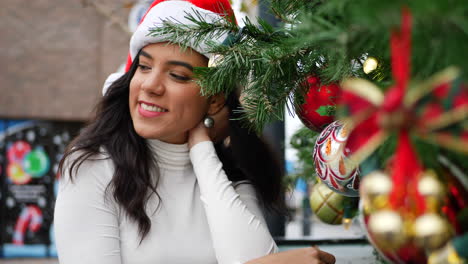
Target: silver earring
208	122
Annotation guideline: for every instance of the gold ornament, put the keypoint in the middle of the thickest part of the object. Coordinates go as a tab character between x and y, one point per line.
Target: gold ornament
431	231
370	64
374	190
327	205
388	229
432	190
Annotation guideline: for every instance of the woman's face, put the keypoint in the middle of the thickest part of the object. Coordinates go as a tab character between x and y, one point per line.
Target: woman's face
165	101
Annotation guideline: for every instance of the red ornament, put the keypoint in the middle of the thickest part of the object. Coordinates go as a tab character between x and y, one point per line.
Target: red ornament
452	206
319	100
406	254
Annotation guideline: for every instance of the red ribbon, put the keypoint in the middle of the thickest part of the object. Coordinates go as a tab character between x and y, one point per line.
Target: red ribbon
406	166
400	54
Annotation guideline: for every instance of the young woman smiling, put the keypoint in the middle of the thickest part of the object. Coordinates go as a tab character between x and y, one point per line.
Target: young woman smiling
150	180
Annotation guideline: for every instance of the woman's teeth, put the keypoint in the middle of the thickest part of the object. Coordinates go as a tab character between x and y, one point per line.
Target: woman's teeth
152	108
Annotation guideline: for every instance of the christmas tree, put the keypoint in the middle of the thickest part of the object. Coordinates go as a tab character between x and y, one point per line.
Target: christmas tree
400	70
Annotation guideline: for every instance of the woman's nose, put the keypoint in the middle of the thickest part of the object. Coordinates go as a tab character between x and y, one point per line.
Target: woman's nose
153	84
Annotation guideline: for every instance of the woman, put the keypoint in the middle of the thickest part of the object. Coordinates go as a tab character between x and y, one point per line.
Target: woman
145	183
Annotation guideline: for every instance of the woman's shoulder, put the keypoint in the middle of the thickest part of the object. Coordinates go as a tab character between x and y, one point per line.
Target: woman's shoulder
81	166
88	158
85	180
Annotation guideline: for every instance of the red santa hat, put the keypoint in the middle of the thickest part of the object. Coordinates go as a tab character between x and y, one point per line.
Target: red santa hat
175	11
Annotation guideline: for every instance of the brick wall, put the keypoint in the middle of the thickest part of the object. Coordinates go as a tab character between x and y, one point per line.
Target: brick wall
56	54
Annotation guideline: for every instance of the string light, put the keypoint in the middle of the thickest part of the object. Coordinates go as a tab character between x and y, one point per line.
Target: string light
370	64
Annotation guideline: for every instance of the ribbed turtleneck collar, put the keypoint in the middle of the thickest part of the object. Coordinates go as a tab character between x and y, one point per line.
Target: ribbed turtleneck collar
170	156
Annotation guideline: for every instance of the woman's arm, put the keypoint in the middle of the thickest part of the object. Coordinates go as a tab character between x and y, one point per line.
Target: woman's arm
236	222
86	224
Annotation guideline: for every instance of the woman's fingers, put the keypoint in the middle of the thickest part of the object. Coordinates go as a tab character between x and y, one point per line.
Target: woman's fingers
307	255
326	257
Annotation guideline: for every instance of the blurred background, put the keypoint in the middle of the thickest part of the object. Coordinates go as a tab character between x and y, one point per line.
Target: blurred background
55	57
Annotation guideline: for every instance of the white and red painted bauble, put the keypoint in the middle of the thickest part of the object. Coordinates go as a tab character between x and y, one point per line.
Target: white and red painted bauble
331	163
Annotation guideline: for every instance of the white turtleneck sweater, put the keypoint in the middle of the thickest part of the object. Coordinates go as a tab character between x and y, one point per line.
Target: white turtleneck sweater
203	217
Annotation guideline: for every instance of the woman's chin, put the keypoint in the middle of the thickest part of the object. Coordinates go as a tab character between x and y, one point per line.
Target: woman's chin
146	133
168	138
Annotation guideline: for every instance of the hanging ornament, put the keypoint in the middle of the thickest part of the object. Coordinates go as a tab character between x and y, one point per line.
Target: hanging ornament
326	204
318	108
331	164
330	207
423	234
390	235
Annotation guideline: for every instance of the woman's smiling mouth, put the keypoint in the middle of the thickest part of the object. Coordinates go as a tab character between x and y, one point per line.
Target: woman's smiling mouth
150	110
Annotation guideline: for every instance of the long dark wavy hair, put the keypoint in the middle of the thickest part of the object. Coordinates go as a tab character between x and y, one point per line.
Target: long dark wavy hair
247	157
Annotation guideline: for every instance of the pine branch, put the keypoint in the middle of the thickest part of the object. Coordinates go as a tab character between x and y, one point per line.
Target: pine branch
329	39
193	34
271	70
288	10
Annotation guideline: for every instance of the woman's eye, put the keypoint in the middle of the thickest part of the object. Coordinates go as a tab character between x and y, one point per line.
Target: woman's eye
143	67
180	77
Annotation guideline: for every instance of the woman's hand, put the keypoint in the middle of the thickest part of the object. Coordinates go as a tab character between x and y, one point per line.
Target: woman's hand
216	133
309	255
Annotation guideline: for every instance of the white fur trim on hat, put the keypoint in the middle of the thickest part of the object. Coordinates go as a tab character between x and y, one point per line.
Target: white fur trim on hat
110	80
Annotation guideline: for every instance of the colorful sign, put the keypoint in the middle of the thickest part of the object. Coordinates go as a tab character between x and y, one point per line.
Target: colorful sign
29	155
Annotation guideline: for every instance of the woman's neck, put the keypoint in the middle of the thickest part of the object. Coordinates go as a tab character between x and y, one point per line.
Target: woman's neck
170	156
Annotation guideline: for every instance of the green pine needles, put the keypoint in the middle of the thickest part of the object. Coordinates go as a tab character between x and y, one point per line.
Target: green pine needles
326	38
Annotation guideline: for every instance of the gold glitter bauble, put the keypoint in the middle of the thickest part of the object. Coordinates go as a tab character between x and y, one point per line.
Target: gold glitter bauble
375	188
431	231
387	229
429	186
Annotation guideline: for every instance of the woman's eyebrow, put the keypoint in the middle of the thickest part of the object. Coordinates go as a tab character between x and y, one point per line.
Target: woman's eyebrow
145	54
181	63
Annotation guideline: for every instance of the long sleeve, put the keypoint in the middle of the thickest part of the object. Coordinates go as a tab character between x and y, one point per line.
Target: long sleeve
236	223
86	223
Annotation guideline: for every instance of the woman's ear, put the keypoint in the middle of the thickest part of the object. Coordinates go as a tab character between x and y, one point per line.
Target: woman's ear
216	103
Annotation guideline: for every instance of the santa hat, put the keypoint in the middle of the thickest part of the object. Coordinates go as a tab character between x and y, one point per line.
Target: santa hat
175	11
